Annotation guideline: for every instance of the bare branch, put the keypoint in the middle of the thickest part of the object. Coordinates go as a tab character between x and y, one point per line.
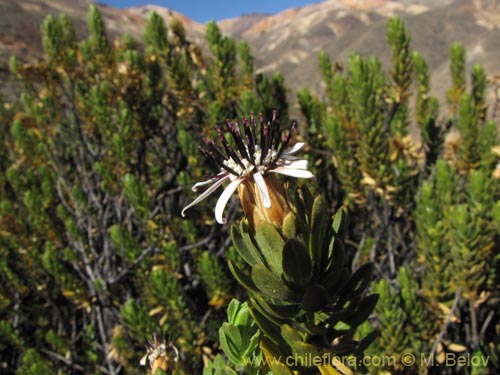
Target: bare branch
458	294
137	261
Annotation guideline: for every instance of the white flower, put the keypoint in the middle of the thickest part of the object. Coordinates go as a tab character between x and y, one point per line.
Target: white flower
258	151
160	355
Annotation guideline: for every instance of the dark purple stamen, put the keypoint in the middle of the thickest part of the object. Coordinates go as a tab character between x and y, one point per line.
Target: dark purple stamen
254	127
250	139
216	159
263	135
270	138
213	147
229	150
235	132
216	155
209	155
286	140
270	135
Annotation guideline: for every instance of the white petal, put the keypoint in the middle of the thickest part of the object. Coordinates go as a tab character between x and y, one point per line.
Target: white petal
211	181
264	193
200	184
296	147
205	194
296	164
224	198
289	157
299	173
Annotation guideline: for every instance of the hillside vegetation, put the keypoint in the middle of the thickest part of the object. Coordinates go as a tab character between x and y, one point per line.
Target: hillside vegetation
387	261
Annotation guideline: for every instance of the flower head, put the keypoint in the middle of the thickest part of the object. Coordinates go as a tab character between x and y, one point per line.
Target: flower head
248	164
160	355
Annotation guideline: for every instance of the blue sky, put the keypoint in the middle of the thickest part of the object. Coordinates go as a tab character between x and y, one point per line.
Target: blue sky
206	10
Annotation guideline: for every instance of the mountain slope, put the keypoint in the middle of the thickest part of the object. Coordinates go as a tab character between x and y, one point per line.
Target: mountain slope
290	41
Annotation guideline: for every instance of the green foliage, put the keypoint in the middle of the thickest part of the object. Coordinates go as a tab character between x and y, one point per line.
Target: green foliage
468	126
311	108
365	90
432	241
137	320
96	159
98	40
399	42
302	296
401	74
403	321
222	76
34	364
458	76
488	139
444	190
478	91
272	93
247	64
155	34
214	279
58	39
239	338
426	112
95	180
218	367
347	165
471	242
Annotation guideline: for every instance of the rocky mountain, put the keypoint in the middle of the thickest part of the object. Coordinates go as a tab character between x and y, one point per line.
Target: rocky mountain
20	22
240	25
291	40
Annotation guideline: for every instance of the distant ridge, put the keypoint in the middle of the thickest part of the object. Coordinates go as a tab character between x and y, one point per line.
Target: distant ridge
290	41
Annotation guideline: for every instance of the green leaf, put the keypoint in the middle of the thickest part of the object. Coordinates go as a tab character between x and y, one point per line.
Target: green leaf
262	307
300	349
216	366
252	344
230	341
244	245
229	371
278	368
357	283
238	313
242	277
269	284
336	277
239	337
289	229
299	205
363	310
337	253
270	330
339	223
335	319
315	298
297	265
290	335
366	341
284	311
270	244
308	199
318	231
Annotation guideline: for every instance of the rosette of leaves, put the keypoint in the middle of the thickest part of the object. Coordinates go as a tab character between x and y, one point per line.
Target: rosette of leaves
303	297
239	338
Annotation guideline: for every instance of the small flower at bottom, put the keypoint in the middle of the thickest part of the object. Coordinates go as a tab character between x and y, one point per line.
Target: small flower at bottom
257	151
160	355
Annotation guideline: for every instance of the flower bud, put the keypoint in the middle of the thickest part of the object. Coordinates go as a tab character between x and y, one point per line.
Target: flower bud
253	204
